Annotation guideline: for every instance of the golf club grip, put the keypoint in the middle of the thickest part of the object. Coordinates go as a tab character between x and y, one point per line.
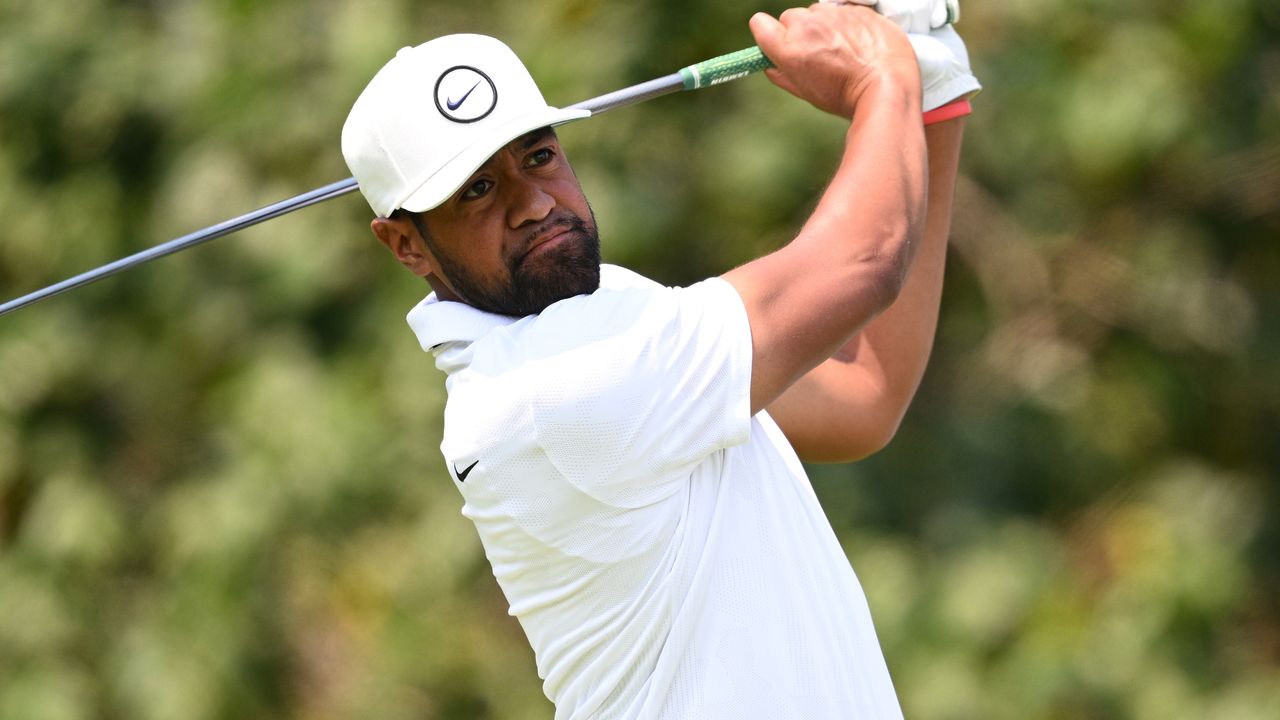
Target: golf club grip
724	68
708	72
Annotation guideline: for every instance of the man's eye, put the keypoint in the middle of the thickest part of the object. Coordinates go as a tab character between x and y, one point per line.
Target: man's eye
477	189
539	157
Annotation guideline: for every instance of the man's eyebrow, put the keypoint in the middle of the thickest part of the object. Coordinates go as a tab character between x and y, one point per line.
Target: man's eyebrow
521	144
528	140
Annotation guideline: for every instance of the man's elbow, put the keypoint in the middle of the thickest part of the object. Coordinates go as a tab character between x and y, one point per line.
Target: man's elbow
858	439
889	270
877	435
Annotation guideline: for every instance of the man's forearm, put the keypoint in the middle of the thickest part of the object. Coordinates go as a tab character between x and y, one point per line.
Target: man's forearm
849	406
849	261
899	340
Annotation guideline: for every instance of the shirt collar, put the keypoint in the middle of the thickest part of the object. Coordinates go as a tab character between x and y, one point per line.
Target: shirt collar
437	322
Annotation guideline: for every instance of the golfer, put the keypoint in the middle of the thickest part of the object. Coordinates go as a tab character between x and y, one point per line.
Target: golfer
630	453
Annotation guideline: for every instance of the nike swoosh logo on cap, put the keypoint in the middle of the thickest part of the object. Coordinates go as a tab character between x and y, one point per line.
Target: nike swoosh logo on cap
462	474
455	104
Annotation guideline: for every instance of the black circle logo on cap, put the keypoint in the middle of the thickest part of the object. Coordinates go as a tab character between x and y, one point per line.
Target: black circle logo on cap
465	94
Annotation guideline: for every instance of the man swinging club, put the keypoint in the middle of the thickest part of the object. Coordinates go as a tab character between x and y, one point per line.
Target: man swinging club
630	453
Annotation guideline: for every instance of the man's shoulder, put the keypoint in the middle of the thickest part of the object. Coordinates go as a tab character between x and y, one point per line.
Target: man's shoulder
635	380
616	277
436	322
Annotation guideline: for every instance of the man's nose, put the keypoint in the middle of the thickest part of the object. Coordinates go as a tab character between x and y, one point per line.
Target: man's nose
529	203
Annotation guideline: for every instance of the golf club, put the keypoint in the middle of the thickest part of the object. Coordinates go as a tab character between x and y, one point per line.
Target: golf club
709	72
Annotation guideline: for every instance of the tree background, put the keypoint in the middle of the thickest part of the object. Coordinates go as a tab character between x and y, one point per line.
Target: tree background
221	494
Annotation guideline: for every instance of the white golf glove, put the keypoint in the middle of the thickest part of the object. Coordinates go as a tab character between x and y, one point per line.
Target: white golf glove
914	16
944	67
944	62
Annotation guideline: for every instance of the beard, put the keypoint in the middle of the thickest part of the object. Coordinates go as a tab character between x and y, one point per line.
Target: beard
570	268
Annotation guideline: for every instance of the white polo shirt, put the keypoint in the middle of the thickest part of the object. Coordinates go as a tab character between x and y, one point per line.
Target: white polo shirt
662	549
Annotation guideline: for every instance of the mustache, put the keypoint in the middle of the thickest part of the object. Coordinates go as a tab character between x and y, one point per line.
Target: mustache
558	223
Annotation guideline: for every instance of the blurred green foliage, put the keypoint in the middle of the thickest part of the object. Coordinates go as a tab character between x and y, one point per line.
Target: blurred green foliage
221	494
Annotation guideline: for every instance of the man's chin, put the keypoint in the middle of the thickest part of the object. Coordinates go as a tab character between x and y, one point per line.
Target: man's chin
568	282
570	269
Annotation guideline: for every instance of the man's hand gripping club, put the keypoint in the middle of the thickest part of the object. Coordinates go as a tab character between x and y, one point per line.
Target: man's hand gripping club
829	54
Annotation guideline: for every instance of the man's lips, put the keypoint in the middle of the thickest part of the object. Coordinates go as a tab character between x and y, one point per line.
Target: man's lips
548	241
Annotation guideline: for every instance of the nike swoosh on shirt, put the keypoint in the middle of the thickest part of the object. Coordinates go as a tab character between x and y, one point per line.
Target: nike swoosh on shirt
455	104
462	474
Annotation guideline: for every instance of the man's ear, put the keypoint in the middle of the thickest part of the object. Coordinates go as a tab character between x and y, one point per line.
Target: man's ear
401	237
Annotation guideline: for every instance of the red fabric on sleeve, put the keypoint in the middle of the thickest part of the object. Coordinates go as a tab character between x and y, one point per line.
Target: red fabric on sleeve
950	111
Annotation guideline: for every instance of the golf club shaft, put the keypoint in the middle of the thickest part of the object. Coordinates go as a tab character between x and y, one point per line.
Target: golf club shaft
710	72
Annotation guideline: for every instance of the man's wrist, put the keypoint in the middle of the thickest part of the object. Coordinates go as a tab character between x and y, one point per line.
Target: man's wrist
888	89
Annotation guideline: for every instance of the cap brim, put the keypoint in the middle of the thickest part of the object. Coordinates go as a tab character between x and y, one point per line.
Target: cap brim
449	178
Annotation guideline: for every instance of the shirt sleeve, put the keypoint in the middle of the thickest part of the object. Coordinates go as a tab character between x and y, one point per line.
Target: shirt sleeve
629	389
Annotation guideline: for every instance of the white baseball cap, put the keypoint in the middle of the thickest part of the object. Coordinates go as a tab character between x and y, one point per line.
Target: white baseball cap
434	114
